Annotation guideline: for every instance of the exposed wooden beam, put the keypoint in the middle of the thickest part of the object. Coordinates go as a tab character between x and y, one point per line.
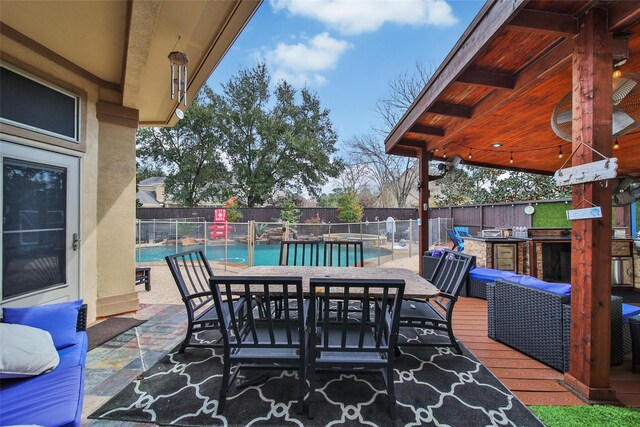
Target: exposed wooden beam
545	22
553	61
427	130
413	143
404	151
454	110
483	29
622	14
487	78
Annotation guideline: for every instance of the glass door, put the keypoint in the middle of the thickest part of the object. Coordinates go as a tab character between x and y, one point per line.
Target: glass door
40	226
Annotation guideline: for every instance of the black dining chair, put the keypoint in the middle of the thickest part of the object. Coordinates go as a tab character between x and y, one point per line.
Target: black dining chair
343	253
191	272
361	339
300	252
256	339
437	313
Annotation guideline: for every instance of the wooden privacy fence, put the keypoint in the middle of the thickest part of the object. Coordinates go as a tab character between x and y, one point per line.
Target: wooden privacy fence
328	215
494	215
476	217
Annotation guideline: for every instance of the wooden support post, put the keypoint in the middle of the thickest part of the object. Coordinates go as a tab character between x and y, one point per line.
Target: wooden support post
423	211
591	239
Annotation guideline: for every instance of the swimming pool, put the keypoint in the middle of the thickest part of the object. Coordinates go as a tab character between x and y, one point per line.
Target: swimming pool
264	254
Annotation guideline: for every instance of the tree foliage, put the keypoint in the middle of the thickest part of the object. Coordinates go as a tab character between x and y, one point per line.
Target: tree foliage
245	141
274	145
190	151
233	213
394	174
402	90
349	208
391	174
290	212
147	170
478	185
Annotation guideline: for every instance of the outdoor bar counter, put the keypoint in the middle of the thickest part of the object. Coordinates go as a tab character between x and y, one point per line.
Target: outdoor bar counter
546	254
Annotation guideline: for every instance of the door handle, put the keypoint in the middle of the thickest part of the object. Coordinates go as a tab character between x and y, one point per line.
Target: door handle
75	242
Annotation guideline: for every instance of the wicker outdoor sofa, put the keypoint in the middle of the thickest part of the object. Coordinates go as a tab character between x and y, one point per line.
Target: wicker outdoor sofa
538	322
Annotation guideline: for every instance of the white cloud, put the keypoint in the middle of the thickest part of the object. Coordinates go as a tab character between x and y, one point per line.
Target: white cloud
363	16
303	62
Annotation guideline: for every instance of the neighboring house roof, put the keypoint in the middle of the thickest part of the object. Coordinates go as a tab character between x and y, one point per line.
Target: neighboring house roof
148	199
154	180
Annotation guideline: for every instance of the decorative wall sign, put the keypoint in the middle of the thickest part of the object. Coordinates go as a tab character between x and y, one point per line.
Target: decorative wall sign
588	172
587	213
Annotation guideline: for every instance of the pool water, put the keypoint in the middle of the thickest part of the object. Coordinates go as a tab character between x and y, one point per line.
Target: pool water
264	254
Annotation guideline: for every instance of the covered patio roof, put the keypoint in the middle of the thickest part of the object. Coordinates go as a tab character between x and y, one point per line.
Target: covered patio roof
500	84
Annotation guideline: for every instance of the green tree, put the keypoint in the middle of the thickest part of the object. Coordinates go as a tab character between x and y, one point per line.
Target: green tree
274	145
349	208
328	200
290	212
233	213
190	152
471	185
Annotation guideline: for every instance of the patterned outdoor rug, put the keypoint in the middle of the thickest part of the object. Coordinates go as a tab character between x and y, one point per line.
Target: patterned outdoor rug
434	386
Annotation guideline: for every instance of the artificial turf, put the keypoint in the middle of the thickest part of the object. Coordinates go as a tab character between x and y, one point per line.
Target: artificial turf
586	416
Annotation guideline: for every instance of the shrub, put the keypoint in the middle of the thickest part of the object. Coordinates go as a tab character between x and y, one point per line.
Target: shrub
233	212
349	208
290	212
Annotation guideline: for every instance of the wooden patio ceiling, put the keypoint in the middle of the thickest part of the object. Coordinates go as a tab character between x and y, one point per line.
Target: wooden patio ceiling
500	84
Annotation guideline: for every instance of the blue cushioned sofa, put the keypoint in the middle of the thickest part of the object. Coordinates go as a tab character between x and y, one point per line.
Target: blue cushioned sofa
536	320
54	398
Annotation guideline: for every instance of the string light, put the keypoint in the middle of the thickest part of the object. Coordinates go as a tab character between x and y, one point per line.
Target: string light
616	145
443	150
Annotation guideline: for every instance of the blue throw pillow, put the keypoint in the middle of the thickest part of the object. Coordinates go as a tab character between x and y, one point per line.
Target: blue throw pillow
58	319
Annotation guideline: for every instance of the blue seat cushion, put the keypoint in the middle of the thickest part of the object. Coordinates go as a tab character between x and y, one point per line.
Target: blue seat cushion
629	311
485	274
76	354
563	289
49	399
57	319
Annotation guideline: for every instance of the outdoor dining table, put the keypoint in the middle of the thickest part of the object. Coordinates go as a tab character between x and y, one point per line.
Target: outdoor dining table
415	285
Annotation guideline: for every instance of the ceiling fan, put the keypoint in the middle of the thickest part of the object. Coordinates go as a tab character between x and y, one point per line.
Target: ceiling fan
626	108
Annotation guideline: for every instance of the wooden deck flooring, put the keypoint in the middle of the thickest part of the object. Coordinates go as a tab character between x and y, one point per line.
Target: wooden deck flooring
533	382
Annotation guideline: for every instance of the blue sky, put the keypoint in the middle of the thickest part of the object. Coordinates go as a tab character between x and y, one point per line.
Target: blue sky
347	50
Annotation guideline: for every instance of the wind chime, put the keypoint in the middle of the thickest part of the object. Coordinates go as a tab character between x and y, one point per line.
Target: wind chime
179	61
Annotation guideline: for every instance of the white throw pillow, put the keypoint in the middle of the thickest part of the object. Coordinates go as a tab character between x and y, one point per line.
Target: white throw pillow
25	351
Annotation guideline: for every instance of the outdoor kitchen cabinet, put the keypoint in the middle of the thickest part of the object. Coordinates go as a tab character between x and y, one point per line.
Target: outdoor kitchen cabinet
500	253
505	256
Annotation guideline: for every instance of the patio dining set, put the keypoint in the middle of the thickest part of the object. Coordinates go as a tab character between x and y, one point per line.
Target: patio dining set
314	317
